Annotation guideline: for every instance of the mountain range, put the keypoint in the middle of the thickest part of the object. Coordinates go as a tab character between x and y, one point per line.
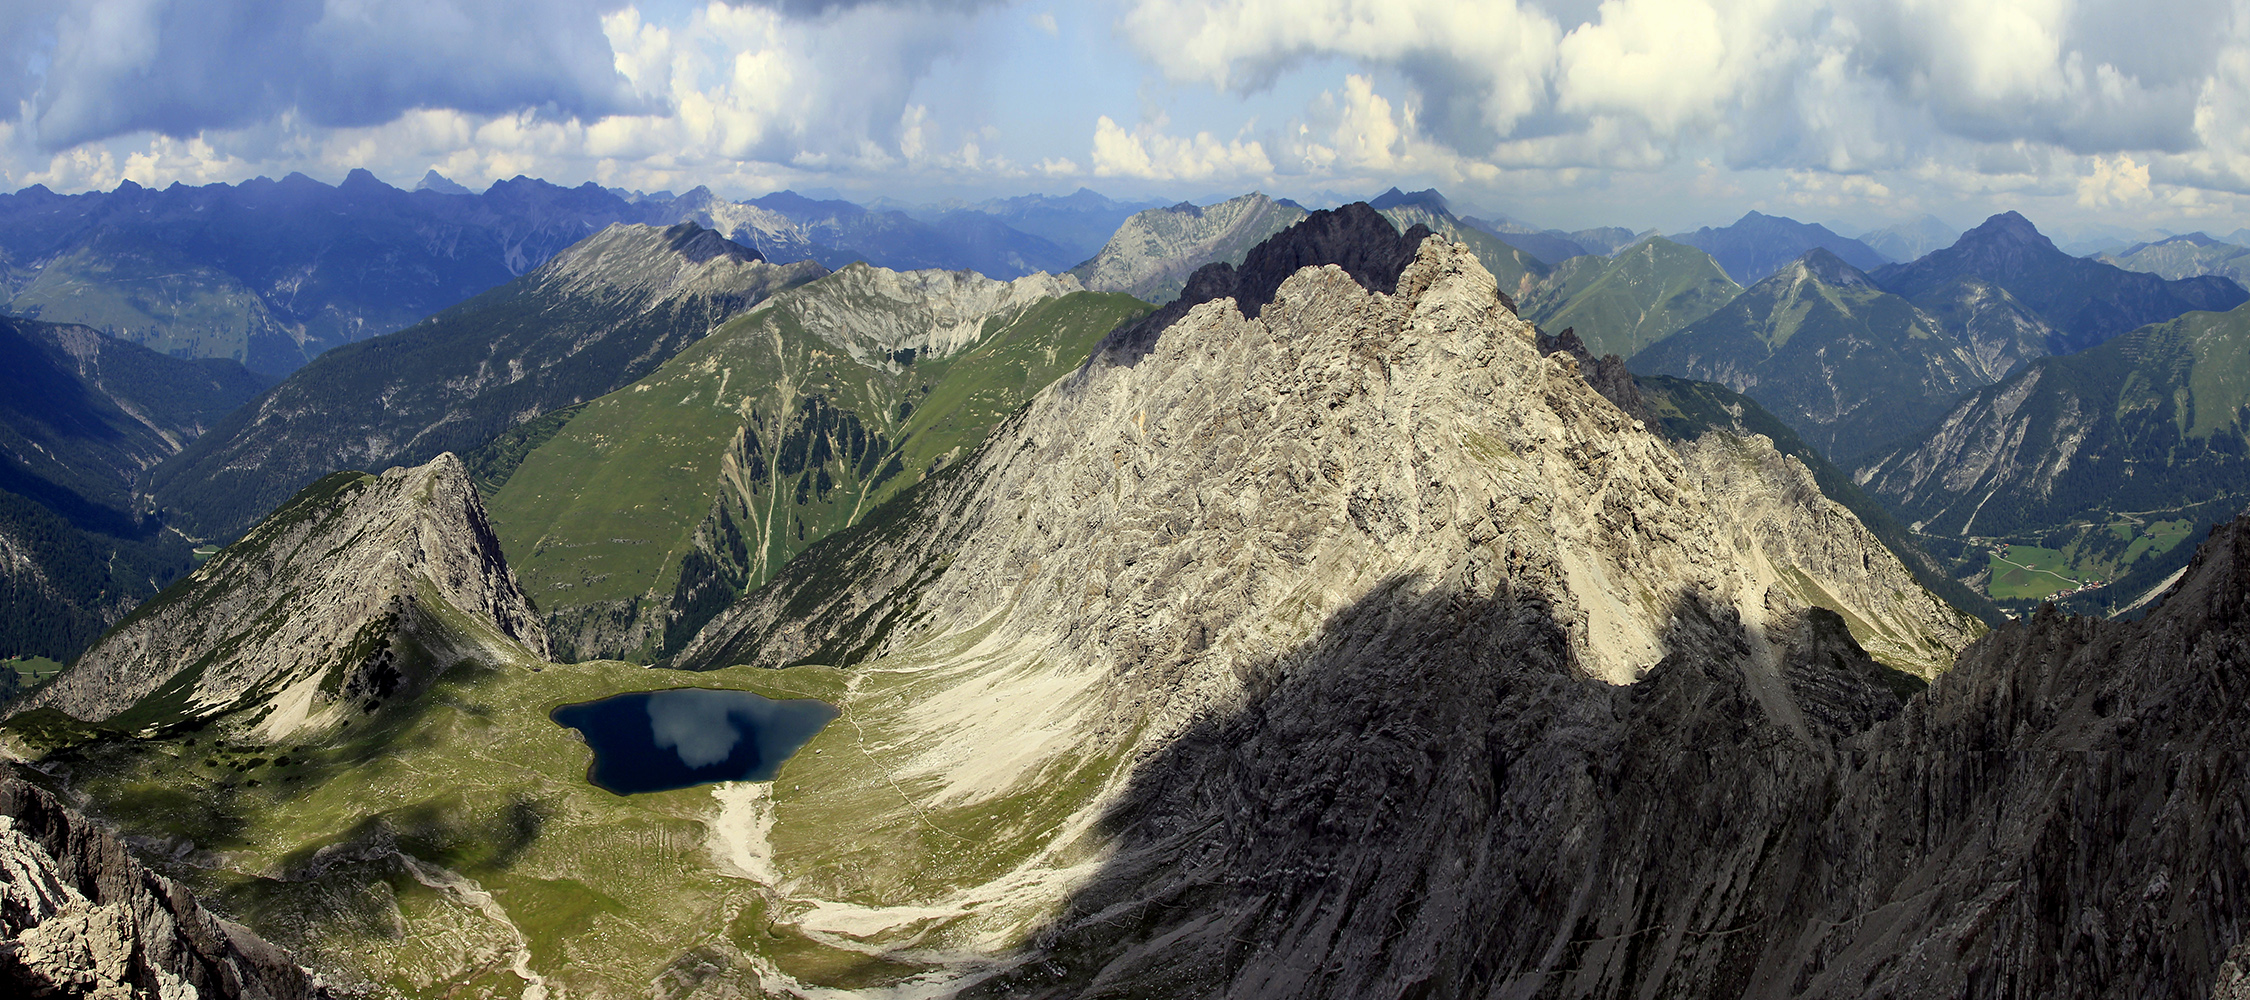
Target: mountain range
589	321
653	507
1621	304
1279	603
2086	301
2082	453
1912	239
272	273
1758	244
2182	257
1850	366
1153	252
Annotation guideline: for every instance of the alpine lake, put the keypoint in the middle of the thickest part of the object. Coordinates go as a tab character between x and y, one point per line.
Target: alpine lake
654	741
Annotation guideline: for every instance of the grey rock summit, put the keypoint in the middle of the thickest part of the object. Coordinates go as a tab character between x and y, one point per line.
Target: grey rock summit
357	592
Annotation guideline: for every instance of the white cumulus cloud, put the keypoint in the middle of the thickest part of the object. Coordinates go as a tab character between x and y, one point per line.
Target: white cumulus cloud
1148	153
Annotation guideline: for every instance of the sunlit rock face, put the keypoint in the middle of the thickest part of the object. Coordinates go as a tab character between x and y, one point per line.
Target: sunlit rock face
1429	669
356	593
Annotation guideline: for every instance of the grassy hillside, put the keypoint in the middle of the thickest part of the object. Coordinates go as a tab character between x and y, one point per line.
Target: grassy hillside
648	512
598	316
1621	304
2090	468
154	295
1849	366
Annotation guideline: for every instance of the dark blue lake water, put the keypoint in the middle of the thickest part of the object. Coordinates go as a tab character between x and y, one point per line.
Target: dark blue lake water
654	741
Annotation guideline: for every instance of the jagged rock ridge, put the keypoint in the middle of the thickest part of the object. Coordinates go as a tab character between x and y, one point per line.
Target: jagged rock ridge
1152	255
356	593
788	422
80	917
1318	576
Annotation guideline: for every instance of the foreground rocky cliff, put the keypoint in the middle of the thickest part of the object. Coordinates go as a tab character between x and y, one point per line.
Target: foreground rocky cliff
80	918
358	591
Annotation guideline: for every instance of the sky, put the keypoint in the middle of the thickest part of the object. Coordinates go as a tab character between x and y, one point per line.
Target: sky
1668	114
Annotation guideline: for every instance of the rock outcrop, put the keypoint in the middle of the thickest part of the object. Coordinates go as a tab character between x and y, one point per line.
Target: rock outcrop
356	592
80	918
1154	252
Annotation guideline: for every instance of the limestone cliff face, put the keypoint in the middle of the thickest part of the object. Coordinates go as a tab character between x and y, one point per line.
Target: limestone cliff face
1212	483
1431	671
357	591
80	918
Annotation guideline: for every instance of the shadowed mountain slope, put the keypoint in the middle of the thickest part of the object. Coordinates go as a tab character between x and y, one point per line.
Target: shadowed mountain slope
1515	271
83	417
2086	301
1622	304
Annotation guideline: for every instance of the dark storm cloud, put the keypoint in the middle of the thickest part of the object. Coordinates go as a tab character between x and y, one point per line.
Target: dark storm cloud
107	67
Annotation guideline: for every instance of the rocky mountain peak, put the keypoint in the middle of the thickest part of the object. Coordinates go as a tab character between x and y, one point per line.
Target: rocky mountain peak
356	593
437	182
685	258
79	917
1821	265
1356	238
698	244
1350	327
1152	254
870	312
2005	230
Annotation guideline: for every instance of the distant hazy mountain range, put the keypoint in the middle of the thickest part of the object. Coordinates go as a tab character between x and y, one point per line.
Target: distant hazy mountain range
1758	245
2182	257
1911	239
272	273
589	321
2087	301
